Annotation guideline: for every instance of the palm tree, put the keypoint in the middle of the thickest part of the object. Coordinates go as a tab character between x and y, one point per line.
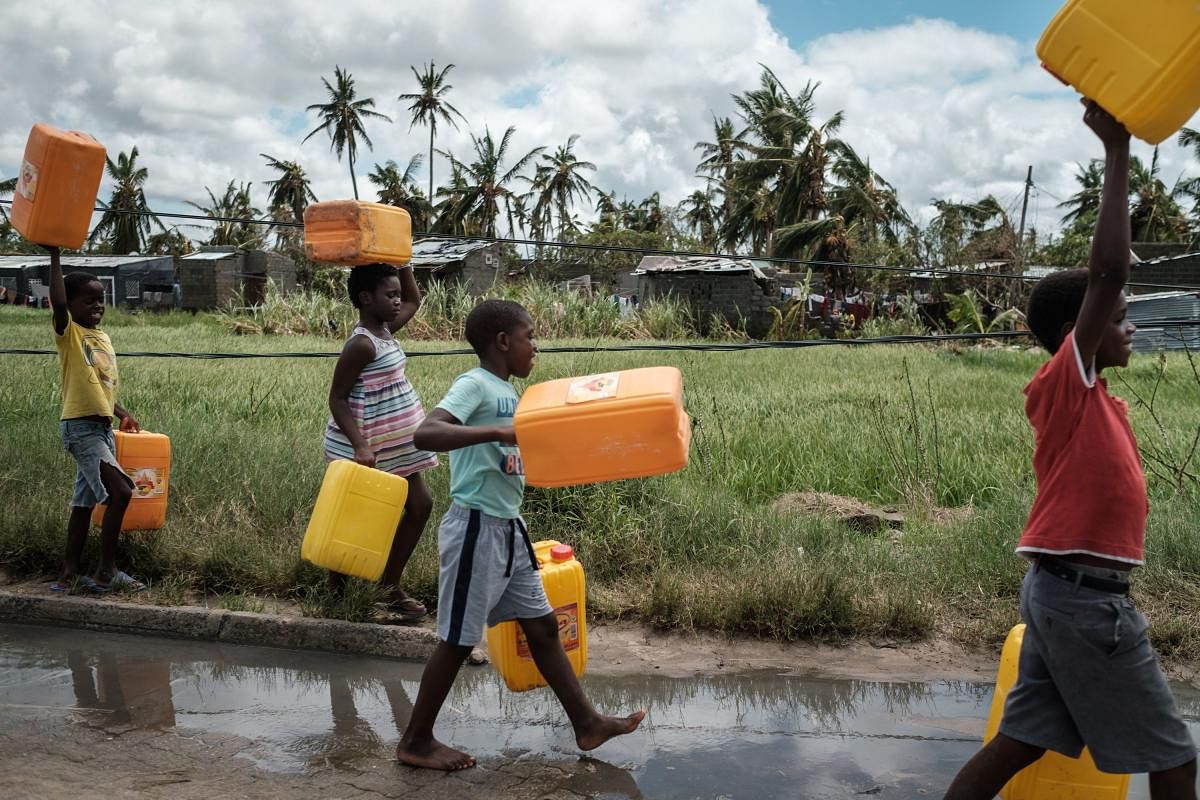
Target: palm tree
1155	214
234	204
291	189
429	105
701	216
7	187
1188	137
127	218
716	159
396	188
484	183
342	118
559	183
1084	204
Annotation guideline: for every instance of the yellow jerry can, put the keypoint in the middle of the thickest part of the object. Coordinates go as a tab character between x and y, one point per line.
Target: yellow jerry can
56	187
354	520
146	459
562	578
355	232
1140	61
1053	776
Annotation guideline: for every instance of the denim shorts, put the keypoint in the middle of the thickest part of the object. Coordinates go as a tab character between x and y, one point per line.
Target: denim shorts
488	575
1088	675
90	442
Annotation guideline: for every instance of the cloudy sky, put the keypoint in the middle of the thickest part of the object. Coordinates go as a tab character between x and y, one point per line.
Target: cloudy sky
946	98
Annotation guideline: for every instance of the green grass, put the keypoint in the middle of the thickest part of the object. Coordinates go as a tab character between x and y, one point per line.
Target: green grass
702	548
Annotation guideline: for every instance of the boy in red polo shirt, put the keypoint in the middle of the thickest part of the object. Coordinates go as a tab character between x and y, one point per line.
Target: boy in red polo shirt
1087	673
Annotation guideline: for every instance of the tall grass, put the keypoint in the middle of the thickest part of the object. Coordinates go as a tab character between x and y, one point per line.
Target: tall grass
702	548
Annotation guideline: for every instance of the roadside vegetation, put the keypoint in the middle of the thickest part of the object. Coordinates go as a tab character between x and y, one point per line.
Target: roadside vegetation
936	434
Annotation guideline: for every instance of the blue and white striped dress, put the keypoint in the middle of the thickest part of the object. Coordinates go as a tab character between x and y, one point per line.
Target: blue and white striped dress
387	410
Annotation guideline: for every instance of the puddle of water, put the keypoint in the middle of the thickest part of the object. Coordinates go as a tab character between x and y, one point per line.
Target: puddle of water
760	734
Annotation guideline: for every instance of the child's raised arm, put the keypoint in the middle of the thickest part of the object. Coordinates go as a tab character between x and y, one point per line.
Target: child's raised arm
58	291
1108	267
441	432
357	353
411	293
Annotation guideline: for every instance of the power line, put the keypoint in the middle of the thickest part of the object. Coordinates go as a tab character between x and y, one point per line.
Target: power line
712	347
648	251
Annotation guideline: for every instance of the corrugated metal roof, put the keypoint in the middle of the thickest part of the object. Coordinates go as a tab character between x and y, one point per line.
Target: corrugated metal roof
435	252
209	256
716	264
1154	313
83	262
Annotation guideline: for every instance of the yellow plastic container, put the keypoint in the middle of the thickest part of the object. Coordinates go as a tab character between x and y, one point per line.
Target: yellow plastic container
354	232
1053	776
146	459
1140	61
562	578
56	188
606	427
354	520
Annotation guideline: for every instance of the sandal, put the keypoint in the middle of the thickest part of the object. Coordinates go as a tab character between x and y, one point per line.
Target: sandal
121	581
406	607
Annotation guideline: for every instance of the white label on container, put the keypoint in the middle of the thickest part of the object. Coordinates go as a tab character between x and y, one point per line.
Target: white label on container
593	387
147	482
27	181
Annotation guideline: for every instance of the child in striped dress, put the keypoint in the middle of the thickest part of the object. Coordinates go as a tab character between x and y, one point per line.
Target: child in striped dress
374	411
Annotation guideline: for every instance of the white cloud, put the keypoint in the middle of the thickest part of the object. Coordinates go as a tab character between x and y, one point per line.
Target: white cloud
203	87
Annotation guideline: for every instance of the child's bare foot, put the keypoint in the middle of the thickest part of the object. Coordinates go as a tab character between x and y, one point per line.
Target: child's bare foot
433	755
605	728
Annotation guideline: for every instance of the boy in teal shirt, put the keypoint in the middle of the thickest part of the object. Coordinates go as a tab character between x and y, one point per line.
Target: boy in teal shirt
488	571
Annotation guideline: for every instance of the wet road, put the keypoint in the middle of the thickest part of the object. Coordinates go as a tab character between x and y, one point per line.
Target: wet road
155	717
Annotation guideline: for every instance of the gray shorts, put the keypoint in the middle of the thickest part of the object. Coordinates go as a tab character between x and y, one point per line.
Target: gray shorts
90	442
1088	675
488	575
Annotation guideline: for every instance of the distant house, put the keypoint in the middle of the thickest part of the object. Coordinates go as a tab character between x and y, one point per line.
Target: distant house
1165	321
1173	265
216	276
472	263
128	281
736	290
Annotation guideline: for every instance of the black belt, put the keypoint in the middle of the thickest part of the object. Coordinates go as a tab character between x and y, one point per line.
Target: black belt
1060	570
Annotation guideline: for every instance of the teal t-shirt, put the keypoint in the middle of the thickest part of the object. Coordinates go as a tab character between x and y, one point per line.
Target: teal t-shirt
490	476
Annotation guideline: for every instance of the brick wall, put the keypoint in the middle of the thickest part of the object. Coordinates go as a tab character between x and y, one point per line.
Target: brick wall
738	298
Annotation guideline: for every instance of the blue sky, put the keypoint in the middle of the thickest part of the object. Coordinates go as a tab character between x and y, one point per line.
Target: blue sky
803	21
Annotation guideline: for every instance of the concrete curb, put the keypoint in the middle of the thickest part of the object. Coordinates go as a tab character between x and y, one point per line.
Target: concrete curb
219	625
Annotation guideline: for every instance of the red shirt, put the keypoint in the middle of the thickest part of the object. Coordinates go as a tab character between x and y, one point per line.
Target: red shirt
1091	492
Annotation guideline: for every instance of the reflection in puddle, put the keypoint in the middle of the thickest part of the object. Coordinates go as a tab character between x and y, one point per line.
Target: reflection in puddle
762	735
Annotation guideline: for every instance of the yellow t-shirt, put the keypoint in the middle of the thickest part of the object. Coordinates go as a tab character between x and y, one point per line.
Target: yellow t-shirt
89	371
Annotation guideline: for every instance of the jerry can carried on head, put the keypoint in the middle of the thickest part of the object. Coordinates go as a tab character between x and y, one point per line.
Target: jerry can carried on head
56	187
1140	61
562	578
146	459
354	520
607	427
355	232
1052	776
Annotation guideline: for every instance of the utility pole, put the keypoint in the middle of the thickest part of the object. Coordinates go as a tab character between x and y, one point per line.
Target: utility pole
1021	233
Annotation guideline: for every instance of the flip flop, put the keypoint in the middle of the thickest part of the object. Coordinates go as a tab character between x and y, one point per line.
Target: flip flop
121	580
58	587
407	608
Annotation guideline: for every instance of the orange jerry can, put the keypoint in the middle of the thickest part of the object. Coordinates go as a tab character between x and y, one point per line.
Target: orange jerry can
56	188
1053	776
566	589
354	520
146	459
1139	61
607	427
354	232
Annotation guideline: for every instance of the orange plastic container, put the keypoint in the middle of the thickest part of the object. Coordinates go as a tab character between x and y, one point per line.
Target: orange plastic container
56	188
354	520
1053	776
354	232
146	459
605	427
1140	61
566	589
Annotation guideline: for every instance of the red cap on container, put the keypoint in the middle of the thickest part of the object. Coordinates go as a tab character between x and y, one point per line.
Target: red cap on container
562	552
